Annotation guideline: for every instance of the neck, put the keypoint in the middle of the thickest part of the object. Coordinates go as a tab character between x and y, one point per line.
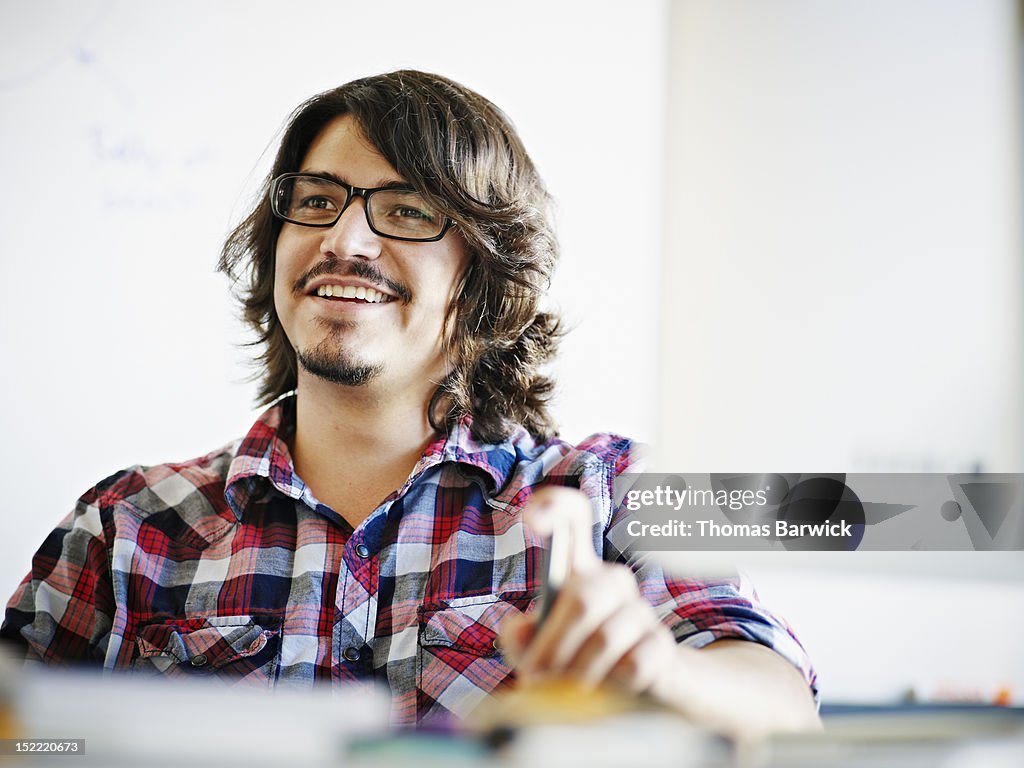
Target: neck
355	445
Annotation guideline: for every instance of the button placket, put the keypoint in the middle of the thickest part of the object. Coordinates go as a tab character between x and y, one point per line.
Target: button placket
355	602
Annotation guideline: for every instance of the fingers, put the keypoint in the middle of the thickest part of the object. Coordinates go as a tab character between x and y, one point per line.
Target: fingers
598	619
610	646
586	603
638	670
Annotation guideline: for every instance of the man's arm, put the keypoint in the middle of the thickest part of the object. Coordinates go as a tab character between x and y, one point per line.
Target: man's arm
61	612
739	687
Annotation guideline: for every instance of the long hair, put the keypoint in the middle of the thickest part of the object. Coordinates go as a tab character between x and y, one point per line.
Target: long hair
463	154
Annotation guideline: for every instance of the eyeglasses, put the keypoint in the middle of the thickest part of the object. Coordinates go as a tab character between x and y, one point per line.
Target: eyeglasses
315	201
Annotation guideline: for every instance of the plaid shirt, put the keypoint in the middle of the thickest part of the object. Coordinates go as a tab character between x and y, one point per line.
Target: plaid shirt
228	565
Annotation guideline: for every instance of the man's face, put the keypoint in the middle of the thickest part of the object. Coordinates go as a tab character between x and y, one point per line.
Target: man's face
394	344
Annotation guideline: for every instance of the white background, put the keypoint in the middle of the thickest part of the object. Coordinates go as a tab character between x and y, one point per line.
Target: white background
840	286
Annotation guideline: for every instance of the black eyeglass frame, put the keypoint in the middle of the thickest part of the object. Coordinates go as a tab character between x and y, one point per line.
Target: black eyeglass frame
353	193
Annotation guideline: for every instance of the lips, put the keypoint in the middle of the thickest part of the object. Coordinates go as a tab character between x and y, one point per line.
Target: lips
343	275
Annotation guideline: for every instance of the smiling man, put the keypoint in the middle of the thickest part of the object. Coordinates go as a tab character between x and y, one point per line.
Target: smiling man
382	521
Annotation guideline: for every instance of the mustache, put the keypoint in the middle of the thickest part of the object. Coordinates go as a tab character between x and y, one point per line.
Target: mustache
332	265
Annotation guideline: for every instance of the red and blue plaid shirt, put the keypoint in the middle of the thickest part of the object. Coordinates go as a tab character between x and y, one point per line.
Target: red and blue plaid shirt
227	565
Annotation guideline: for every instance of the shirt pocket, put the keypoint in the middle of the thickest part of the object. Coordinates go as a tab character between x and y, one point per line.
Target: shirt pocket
236	649
459	663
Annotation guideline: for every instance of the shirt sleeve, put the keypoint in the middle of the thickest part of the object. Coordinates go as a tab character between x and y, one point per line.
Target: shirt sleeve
698	611
61	612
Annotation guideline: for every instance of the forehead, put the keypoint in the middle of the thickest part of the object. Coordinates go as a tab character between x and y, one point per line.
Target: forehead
341	148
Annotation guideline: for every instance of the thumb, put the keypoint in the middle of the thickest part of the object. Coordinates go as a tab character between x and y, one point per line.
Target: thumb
567	511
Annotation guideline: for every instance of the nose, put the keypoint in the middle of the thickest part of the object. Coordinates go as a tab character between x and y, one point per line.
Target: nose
351	236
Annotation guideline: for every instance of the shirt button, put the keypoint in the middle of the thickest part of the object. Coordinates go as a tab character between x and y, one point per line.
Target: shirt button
351	654
198	660
363	551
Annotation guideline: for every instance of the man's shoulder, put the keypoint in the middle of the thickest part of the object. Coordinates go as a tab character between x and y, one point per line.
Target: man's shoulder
149	489
591	465
596	459
601	448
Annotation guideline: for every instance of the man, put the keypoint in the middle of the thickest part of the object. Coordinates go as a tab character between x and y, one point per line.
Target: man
370	526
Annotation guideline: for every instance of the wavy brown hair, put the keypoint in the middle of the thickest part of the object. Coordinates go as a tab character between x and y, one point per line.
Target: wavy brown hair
463	154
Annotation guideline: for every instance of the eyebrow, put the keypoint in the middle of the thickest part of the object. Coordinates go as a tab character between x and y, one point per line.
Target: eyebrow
404	185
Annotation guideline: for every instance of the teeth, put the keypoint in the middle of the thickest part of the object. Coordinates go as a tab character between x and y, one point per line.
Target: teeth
368	295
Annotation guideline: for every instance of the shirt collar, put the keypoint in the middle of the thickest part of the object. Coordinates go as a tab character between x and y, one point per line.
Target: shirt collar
495	460
263	457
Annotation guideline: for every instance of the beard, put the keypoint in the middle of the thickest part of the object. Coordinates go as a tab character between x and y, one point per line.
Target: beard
329	361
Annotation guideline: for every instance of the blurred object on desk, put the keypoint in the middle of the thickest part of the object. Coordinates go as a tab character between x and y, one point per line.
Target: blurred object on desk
554	701
650	739
128	720
559	721
8	674
946	736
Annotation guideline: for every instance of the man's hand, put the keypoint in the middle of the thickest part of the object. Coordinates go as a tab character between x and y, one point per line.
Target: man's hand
600	629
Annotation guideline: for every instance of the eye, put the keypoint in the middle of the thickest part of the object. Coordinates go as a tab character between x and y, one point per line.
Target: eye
317	202
405	208
311	199
404	214
410	212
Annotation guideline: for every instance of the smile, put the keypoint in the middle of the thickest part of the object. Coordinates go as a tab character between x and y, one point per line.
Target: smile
369	295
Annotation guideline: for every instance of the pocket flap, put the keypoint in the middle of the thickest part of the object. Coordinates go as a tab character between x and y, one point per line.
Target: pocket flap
470	624
209	642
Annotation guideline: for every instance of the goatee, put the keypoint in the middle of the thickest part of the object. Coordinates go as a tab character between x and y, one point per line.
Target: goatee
334	365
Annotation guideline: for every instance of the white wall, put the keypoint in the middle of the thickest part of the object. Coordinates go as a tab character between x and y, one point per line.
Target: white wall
874	637
131	139
842	291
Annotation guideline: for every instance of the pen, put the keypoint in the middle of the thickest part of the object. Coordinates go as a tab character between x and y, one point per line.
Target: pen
556	566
